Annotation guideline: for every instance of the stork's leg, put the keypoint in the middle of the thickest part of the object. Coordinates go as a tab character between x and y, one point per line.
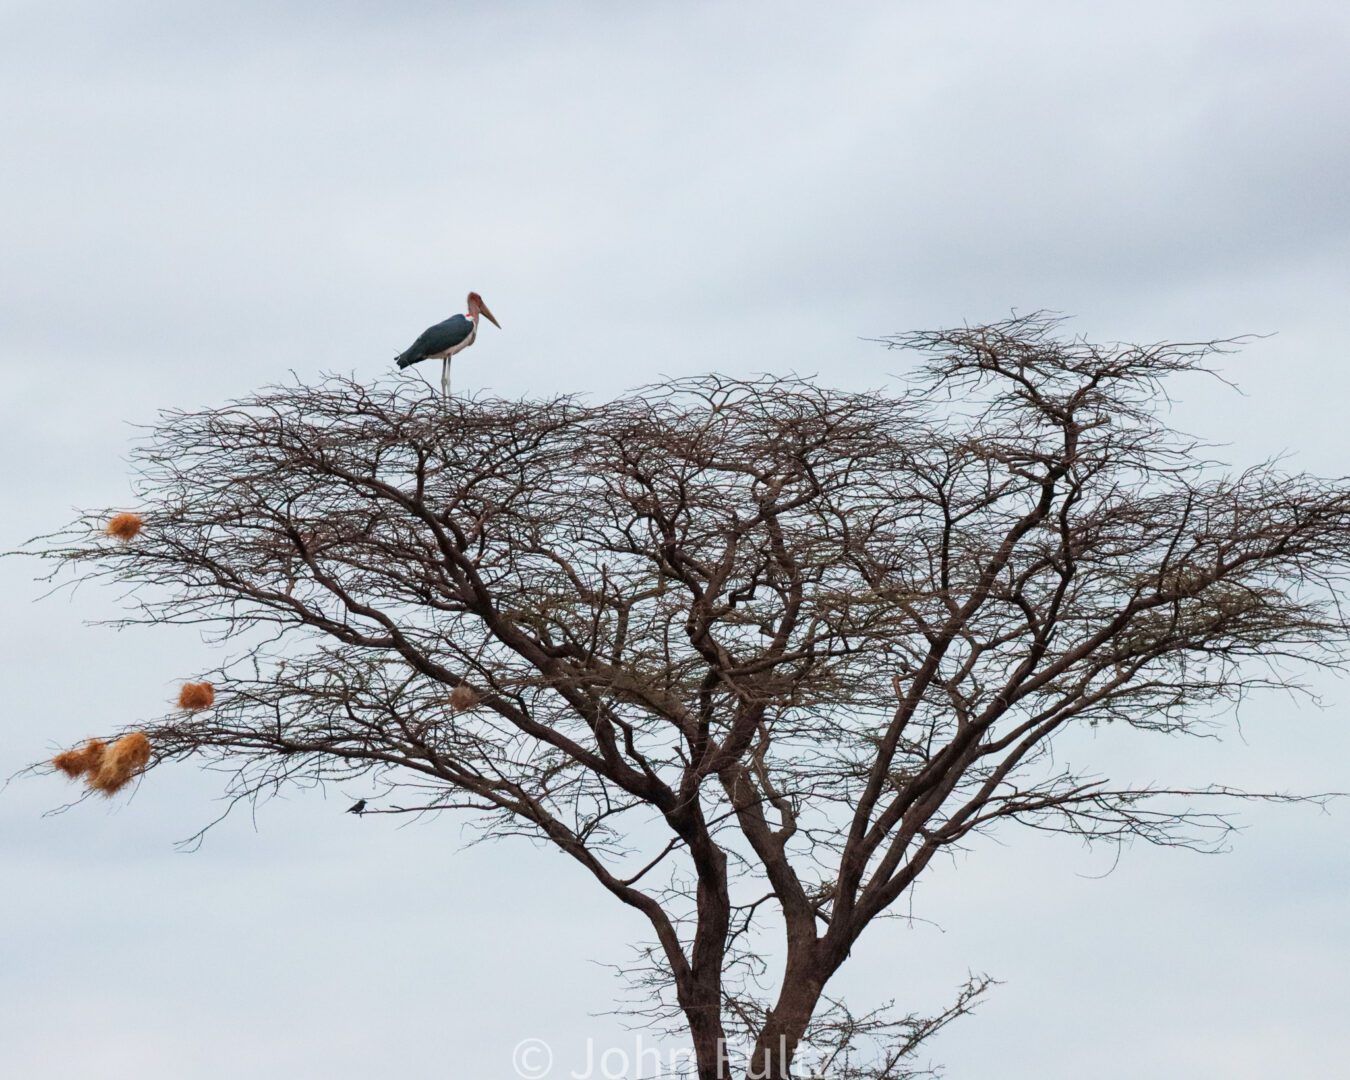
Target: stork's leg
445	379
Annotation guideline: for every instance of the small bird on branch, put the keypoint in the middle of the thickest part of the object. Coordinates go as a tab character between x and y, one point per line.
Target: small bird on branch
359	808
442	341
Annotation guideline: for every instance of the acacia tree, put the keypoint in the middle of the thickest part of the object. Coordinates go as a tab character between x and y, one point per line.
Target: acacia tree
752	652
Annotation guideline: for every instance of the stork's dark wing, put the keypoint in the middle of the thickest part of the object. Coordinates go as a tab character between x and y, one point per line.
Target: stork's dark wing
435	339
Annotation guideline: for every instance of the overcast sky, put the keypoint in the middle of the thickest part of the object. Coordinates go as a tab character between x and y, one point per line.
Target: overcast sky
197	198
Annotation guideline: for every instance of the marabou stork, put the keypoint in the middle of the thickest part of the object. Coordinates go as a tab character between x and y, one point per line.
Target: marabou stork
445	339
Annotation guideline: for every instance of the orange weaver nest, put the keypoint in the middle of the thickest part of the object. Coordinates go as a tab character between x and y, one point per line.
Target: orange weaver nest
196	695
124	527
107	769
76	763
463	697
125	759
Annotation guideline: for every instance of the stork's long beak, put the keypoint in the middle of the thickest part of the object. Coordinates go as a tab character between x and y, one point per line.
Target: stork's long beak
488	315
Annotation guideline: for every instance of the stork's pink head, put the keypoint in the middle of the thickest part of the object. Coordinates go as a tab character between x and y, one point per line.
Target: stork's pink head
476	307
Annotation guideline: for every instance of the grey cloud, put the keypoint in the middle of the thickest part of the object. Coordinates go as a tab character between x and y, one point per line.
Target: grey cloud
198	198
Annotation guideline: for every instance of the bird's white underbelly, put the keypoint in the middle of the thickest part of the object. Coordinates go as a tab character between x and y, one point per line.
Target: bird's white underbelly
456	348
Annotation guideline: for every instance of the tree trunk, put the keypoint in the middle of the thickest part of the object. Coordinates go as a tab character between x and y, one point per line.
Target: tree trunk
783	1028
709	1044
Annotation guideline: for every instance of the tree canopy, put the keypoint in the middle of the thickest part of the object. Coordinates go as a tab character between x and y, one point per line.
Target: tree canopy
751	651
